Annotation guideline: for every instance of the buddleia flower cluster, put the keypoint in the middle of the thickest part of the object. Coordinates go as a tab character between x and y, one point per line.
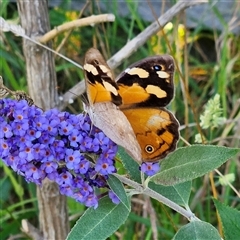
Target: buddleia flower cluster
59	146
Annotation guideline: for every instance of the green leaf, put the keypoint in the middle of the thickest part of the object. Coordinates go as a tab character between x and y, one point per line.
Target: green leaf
197	230
179	193
191	162
117	187
100	223
230	219
130	165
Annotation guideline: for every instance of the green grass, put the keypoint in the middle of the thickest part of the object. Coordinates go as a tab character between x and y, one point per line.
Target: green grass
219	74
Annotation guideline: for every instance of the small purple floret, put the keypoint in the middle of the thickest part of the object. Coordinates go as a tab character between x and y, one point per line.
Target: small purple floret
150	168
113	197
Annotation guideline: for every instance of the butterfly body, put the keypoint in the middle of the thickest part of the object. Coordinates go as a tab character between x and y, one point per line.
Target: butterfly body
131	110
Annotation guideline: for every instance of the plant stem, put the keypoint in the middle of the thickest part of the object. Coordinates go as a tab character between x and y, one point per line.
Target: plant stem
138	188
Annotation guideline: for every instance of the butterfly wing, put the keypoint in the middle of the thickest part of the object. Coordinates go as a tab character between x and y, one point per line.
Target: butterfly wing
156	130
147	83
100	86
146	87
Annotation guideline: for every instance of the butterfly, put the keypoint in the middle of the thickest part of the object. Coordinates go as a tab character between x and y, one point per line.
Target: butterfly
131	109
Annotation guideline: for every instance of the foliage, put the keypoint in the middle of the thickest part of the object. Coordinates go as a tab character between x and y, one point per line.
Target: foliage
183	179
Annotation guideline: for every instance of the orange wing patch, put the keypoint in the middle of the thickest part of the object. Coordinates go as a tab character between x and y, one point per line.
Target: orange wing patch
98	93
156	131
132	94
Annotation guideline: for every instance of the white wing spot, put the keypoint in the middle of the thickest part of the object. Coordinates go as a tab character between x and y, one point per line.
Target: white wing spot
156	91
163	74
137	71
90	68
110	88
106	70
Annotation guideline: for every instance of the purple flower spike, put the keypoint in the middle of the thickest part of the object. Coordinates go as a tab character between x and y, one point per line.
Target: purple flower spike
58	146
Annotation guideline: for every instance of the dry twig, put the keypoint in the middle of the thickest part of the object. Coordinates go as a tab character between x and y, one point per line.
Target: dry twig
76	23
